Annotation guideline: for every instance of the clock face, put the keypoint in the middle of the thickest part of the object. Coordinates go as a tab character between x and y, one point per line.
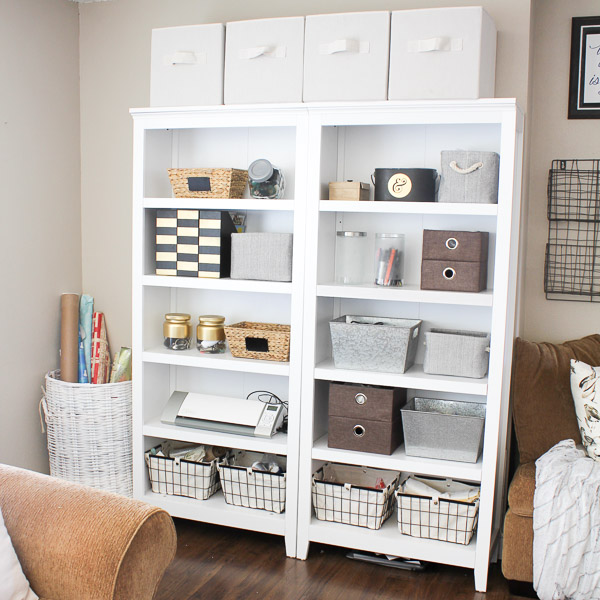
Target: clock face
399	185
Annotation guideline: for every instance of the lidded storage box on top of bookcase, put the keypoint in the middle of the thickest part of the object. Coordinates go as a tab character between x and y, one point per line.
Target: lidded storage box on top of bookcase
193	243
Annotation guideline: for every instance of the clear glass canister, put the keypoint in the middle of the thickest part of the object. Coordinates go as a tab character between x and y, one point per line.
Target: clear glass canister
265	180
351	257
177	331
210	334
389	259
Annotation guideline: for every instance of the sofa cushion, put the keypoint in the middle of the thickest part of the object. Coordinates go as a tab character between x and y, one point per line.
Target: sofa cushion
586	397
522	487
543	411
13	583
517	547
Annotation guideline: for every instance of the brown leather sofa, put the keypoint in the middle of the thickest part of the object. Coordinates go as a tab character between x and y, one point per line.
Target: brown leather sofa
543	415
78	543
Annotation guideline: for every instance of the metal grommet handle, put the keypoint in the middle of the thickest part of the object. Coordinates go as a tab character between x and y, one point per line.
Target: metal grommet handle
360	398
448	273
359	430
452	243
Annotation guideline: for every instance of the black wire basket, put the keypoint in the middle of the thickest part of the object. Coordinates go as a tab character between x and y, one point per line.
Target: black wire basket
572	262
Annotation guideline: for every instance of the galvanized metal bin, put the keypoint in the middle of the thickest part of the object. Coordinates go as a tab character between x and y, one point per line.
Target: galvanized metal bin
444	429
374	343
455	352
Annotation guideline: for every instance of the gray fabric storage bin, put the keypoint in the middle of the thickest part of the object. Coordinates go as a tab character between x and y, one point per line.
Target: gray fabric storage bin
458	353
469	176
443	429
374	343
264	256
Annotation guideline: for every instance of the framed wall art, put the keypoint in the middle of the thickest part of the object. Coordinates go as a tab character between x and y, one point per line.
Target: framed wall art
584	83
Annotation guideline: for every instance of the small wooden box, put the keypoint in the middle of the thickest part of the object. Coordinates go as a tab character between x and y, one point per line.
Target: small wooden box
348	190
365	418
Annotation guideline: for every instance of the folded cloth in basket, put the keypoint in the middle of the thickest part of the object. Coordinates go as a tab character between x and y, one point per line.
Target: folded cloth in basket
452	520
451	490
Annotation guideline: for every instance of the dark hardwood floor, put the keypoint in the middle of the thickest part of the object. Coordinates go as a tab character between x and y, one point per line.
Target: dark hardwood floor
220	563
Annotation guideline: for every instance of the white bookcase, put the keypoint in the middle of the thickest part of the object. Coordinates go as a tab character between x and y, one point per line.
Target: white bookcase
315	144
216	137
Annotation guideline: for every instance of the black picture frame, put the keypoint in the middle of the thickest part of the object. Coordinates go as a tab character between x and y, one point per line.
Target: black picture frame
584	79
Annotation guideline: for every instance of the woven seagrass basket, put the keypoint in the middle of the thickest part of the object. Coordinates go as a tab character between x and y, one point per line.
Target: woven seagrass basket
208	183
264	341
89	433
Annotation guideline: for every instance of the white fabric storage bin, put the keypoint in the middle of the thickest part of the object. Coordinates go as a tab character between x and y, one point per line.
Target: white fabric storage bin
263	60
187	65
346	56
442	53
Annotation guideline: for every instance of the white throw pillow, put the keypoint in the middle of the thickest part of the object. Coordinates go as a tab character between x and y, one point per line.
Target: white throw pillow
13	583
586	397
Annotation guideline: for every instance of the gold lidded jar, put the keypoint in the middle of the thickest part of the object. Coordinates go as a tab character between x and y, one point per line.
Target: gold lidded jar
177	331
210	334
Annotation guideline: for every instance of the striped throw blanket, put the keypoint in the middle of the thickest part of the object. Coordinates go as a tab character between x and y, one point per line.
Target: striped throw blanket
566	525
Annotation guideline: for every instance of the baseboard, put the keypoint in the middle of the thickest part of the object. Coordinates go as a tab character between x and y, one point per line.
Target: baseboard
521	588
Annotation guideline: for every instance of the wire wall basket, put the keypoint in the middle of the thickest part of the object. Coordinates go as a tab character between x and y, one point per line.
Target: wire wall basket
572	262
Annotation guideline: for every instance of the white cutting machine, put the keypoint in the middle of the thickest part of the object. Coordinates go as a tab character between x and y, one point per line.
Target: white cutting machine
222	413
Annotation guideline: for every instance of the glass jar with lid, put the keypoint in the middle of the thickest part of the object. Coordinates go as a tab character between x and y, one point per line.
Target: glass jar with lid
210	334
177	331
265	180
351	257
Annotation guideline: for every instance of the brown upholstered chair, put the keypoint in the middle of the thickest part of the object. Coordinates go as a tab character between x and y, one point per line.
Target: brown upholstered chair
78	543
543	415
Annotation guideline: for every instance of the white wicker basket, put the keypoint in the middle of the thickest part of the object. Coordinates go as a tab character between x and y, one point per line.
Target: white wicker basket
89	433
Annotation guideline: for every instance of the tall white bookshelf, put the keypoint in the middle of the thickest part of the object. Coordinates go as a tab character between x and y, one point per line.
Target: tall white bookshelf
315	144
216	137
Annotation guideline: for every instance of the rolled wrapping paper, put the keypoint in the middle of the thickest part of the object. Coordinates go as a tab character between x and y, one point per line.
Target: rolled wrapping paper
69	337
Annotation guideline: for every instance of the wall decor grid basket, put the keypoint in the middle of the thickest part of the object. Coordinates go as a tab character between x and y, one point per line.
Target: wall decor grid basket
572	260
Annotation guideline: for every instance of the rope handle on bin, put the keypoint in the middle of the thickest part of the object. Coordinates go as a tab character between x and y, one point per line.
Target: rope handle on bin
43	408
466	171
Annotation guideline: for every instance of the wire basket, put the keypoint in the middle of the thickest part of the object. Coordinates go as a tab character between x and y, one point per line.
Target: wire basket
572	261
436	518
89	433
348	501
263	341
180	477
208	183
244	486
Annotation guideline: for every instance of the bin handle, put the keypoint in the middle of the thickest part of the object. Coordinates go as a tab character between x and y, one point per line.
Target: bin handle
467	170
43	410
185	57
436	44
345	45
271	51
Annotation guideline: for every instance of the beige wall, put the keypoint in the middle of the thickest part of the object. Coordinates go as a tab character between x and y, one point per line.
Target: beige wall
554	136
39	192
115	75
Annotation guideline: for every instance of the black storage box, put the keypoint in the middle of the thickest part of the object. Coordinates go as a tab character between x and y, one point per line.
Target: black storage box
409	185
365	418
